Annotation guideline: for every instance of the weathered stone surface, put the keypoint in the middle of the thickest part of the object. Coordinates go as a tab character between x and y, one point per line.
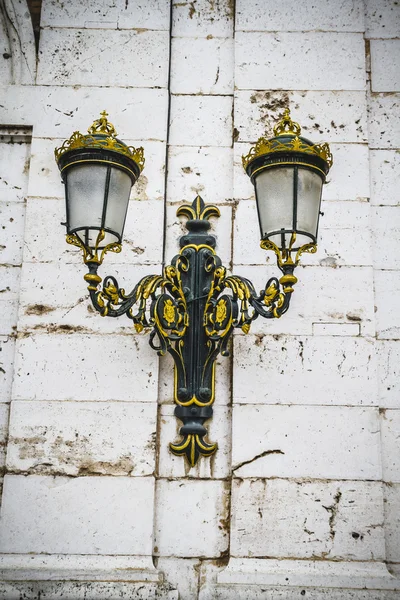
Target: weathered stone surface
190	74
384	58
57	111
122	368
180	502
7	347
293	519
106	515
14	157
278	369
203	18
392	521
152	14
70	57
385	177
253	15
384	121
341	120
382	19
313	61
193	171
82	438
297	441
388	364
385	221
387	288
201	121
390	432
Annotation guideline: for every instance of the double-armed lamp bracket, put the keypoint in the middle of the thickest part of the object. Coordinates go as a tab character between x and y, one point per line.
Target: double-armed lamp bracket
192	309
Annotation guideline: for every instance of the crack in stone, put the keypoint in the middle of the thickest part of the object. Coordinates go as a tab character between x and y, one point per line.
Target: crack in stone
265	453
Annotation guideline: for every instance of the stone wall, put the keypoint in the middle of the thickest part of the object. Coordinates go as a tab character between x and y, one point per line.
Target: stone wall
302	498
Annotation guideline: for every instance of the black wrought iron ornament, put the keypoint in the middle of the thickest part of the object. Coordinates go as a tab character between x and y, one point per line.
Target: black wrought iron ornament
191	311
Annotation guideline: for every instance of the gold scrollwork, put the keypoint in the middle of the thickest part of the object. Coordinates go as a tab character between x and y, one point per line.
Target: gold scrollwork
169	311
101	134
92	254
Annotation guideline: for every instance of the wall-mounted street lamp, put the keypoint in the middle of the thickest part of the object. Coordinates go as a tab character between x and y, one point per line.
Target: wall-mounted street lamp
192	309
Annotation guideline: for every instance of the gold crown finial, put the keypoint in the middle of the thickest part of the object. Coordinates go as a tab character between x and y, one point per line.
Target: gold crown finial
102	125
286	125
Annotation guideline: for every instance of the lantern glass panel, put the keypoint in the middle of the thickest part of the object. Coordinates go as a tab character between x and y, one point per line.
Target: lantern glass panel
118	198
274	191
309	192
85	193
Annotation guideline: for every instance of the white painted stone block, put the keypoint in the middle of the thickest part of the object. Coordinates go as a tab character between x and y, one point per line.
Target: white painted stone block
340	225
14	158
291	519
12	224
203	19
334	117
388	365
385	177
77	57
191	74
387	289
318	442
201	121
221	228
219	430
7	347
203	170
385	55
384	121
253	15
390	433
58	111
82	515
392	522
336	329
85	367
382	19
348	178
9	290
152	14
278	369
385	222
307	61
318	297
319	579
142	242
82	438
45	179
200	504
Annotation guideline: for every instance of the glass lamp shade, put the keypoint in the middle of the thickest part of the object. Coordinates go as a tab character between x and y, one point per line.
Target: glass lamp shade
97	190
288	172
288	201
98	171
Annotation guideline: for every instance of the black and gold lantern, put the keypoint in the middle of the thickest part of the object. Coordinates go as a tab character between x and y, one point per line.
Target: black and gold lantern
288	172
98	171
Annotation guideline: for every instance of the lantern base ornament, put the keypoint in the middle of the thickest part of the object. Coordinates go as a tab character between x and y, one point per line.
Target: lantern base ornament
191	311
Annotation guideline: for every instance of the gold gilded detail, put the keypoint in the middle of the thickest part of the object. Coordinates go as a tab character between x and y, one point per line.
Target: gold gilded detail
198	210
92	255
169	312
220	312
287	127
101	134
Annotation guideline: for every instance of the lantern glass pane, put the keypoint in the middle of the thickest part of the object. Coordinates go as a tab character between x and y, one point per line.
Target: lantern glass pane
118	198
309	192
274	192
85	188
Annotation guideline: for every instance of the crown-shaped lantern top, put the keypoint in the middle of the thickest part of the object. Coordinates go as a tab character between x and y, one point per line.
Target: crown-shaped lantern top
101	135
288	139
